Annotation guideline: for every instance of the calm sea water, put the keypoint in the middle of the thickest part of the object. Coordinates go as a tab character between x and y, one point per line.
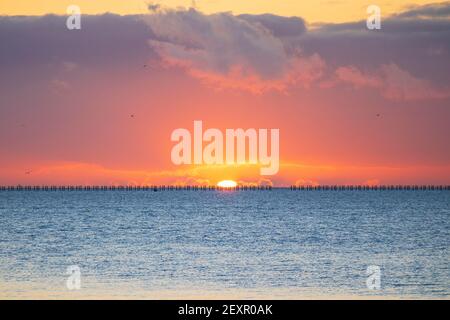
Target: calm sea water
270	244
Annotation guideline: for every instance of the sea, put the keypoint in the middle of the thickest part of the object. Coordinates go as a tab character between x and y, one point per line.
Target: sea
271	244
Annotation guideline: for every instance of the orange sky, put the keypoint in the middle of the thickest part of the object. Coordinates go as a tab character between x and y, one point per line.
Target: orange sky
312	11
98	105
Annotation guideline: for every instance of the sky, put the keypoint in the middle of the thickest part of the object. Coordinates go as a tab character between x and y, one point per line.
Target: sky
331	11
98	105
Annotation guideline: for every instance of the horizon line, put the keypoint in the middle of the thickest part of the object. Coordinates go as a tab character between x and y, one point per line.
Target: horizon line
390	187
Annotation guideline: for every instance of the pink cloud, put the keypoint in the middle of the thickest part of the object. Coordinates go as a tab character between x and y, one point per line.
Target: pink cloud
401	85
393	83
234	52
306	182
372	182
357	78
255	183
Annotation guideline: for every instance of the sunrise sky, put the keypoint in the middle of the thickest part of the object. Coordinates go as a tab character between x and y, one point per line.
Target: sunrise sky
98	105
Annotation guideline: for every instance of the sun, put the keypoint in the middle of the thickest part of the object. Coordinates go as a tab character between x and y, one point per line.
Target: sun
227	184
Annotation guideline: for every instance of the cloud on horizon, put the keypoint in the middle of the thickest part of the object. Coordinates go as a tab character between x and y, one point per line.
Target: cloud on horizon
80	173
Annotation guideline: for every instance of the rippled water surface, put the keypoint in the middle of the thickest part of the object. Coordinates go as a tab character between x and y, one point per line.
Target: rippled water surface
254	244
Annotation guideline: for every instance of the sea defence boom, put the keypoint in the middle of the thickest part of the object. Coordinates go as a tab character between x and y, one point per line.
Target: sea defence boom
155	188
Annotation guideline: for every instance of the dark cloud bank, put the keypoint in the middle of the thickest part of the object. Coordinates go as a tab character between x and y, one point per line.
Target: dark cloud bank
254	52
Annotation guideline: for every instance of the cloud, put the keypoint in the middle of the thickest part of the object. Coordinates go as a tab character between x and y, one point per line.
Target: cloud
357	78
82	173
59	85
280	27
257	182
407	60
260	53
435	10
401	85
252	53
372	182
191	181
417	44
393	83
153	7
27	41
306	182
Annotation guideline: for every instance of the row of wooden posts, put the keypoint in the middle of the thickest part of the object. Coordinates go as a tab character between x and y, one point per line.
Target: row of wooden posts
214	188
375	187
130	188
